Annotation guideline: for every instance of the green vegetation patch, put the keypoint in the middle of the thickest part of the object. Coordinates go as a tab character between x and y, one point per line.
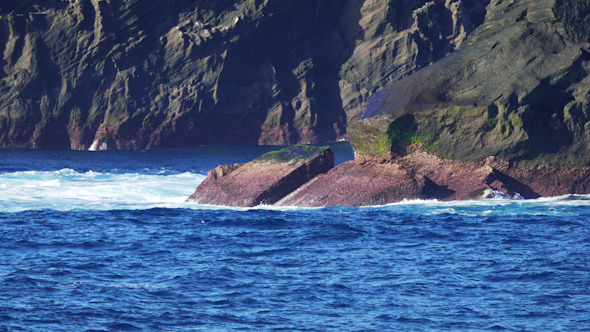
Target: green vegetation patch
294	153
373	143
404	131
368	141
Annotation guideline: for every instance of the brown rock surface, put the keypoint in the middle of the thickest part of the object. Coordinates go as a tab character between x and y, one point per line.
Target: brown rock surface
312	182
549	182
356	184
416	176
423	176
264	180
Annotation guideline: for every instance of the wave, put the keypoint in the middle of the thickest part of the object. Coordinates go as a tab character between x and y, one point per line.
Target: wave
545	206
67	189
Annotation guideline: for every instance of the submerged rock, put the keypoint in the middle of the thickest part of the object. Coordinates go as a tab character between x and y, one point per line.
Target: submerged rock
264	180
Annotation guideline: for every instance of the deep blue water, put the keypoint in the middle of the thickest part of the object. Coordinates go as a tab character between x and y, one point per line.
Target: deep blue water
104	242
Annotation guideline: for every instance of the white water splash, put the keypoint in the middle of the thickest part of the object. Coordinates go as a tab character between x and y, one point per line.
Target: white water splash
67	189
547	206
98	146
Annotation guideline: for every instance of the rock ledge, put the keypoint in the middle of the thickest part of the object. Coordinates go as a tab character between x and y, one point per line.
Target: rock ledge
265	180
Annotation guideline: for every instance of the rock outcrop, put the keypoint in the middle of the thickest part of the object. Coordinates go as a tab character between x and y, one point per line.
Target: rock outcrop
508	114
265	180
518	90
130	74
305	176
416	176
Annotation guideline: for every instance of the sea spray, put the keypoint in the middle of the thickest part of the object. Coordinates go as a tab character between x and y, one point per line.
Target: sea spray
67	189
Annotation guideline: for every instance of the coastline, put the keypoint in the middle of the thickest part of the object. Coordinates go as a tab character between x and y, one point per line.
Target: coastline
417	175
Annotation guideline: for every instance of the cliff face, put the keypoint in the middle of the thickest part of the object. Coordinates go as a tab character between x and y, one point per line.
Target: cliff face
130	74
507	115
518	89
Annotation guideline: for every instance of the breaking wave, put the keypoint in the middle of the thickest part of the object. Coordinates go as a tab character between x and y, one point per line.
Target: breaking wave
68	189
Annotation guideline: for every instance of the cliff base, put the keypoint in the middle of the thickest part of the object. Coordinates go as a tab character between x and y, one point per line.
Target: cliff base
282	178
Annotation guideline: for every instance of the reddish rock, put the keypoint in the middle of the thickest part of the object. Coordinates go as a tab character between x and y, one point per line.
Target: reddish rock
548	182
264	180
284	178
357	184
424	176
418	175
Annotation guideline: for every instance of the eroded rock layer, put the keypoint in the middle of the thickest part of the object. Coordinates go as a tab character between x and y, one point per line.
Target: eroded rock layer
130	74
507	114
305	176
518	90
265	180
423	176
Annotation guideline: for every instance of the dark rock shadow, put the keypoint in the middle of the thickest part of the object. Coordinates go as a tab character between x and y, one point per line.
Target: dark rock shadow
276	66
432	190
512	185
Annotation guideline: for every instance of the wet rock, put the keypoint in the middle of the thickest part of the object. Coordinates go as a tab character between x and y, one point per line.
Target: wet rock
547	181
264	180
415	176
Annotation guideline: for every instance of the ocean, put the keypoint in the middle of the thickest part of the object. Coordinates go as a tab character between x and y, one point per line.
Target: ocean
103	241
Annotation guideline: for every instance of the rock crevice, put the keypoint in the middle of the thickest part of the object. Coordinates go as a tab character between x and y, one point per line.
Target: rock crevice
265	180
184	73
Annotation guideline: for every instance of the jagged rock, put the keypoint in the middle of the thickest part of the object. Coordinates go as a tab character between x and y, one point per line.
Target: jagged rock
518	89
264	180
415	176
547	181
183	73
355	184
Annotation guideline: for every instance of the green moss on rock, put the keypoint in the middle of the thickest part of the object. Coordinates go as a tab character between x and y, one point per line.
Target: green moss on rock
400	138
293	154
402	129
403	133
369	142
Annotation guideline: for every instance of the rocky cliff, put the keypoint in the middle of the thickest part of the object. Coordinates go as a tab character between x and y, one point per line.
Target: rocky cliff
518	90
506	114
130	74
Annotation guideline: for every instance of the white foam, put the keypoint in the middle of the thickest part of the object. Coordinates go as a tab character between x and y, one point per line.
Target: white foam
67	189
98	146
548	206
